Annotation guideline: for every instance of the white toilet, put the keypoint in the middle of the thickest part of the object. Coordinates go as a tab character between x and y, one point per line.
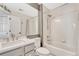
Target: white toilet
42	51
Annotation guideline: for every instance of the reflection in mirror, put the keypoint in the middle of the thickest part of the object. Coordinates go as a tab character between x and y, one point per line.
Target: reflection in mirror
22	20
4	26
32	22
32	26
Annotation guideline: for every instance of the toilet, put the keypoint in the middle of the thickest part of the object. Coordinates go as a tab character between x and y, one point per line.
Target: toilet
42	51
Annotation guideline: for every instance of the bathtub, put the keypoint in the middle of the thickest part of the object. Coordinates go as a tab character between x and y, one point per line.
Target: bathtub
58	51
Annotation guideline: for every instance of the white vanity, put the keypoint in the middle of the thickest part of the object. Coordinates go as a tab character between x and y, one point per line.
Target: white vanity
17	48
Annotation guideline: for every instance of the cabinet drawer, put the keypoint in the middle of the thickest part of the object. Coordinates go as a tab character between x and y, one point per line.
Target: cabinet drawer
29	48
16	52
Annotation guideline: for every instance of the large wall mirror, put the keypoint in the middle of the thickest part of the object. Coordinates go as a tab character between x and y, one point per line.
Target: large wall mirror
21	19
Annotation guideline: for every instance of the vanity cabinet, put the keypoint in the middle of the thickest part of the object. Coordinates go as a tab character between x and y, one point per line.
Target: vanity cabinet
16	52
29	50
25	50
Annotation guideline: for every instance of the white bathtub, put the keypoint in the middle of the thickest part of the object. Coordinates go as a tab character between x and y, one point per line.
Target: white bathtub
58	51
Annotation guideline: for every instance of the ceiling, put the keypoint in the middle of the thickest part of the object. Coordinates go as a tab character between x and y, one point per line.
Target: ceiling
22	8
52	6
28	10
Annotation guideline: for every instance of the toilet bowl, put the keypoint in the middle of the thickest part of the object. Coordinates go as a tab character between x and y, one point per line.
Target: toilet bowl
42	51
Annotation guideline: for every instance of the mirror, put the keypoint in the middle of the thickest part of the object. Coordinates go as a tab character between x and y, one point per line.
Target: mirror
20	20
32	22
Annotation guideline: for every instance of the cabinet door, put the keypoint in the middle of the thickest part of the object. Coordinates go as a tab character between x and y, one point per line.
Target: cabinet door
29	48
17	52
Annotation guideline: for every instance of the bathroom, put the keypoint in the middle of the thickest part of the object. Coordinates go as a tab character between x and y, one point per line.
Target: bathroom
39	29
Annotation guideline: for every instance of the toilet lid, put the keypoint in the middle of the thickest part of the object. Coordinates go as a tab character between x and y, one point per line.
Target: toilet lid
43	51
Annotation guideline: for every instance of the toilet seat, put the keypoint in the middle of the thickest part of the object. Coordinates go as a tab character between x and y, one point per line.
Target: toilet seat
42	51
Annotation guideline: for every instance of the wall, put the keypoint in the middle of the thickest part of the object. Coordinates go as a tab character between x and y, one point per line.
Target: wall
46	12
63	30
63	27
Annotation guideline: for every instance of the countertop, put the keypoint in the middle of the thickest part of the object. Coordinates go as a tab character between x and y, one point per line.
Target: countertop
14	45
